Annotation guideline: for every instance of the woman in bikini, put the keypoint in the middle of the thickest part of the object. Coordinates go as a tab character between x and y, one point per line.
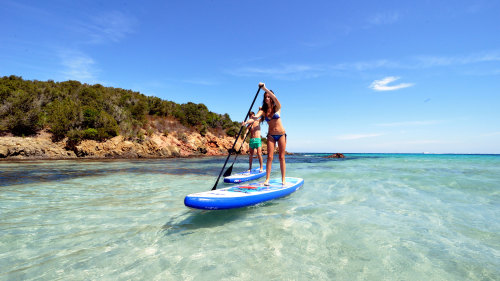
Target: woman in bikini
255	141
271	111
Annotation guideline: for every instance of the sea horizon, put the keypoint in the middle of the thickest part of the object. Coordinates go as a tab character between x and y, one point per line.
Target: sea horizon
450	153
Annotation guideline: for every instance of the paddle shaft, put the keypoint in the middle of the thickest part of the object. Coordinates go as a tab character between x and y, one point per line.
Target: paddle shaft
229	170
234	144
241	146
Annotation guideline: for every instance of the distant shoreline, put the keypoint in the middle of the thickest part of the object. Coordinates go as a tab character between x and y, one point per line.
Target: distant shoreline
401	153
117	158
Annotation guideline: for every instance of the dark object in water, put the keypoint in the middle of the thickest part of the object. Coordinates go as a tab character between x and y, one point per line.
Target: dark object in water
336	155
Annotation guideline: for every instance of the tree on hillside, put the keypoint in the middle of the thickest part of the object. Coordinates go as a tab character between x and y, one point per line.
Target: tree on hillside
81	111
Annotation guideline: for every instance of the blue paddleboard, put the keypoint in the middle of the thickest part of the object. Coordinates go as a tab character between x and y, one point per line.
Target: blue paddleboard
246	176
242	195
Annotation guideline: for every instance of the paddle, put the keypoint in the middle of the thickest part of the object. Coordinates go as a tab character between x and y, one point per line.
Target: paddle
239	133
230	169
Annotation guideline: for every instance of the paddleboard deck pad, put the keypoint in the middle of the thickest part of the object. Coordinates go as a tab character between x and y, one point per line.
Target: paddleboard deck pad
242	195
246	176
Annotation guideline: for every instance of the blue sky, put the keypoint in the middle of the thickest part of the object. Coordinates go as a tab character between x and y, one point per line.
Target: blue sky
352	76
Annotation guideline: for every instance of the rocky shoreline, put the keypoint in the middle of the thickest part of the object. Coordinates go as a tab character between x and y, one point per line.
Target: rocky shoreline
181	142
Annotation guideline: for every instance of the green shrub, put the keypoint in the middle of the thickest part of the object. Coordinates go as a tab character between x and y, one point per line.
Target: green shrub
90	134
63	116
21	114
213	120
90	116
232	131
140	136
226	122
182	137
4	93
74	138
203	131
91	97
106	126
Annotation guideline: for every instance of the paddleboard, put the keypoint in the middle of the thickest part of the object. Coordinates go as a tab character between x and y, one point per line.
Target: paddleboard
246	176
242	195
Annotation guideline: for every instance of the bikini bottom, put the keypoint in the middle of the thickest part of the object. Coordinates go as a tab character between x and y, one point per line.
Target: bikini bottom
277	137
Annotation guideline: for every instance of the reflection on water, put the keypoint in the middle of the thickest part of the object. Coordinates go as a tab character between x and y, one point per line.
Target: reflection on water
60	170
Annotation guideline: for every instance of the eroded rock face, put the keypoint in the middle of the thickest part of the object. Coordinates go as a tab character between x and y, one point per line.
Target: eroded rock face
157	146
154	146
32	147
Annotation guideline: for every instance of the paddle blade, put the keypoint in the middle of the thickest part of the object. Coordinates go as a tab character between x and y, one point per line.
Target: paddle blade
228	171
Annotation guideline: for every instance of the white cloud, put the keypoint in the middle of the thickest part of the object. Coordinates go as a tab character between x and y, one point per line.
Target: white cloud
491	134
105	27
292	71
78	66
110	26
422	142
364	65
383	18
432	61
304	70
285	71
358	136
204	82
381	85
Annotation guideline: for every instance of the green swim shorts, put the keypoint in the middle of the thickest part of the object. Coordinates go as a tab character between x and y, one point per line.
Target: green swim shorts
255	143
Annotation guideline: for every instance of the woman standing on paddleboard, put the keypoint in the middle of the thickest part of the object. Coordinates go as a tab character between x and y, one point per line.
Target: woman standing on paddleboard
271	111
255	141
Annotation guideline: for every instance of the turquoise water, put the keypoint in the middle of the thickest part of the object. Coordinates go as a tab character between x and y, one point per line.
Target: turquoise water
366	217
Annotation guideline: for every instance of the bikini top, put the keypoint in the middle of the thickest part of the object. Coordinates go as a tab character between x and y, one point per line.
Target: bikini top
275	116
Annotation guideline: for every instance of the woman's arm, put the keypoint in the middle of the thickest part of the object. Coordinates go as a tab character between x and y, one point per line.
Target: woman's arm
259	114
271	95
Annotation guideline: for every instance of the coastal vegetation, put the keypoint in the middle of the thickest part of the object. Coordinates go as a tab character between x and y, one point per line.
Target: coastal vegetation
80	111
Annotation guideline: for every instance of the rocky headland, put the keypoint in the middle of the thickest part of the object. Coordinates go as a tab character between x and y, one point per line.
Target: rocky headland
180	141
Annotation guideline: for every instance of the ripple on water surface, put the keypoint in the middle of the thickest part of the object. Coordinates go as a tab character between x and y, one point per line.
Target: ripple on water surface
407	217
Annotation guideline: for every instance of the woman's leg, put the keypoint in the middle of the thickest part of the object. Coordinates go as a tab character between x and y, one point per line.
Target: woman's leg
270	154
282	149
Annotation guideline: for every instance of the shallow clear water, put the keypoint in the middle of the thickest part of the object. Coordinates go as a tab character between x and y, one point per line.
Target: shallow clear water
366	217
